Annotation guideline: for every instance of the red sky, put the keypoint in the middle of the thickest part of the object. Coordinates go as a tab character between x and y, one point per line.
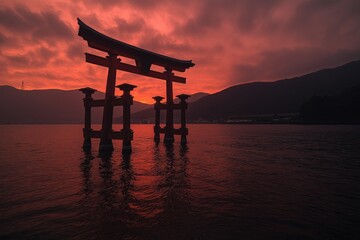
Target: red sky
231	42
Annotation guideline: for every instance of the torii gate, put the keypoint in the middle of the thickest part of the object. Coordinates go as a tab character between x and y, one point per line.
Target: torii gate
143	61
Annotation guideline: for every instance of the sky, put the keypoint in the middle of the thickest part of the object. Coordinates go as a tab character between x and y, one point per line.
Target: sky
230	42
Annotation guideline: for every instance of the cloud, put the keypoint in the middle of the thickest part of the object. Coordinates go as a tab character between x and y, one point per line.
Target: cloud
138	4
231	42
35	58
276	65
75	51
125	27
213	16
39	26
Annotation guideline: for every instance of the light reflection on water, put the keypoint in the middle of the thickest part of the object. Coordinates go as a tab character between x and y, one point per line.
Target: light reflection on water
230	182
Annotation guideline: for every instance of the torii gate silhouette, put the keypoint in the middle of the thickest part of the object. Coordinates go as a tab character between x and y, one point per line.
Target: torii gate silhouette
144	59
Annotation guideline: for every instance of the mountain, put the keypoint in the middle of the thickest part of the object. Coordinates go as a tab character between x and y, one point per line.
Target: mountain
194	97
148	115
258	98
283	96
49	106
342	108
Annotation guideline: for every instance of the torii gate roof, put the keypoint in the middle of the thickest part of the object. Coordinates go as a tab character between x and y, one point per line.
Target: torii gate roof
104	43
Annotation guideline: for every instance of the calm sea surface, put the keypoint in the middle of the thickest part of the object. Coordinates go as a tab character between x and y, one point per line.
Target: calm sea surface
231	182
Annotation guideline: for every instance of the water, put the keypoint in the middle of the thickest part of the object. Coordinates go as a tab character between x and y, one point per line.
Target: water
231	182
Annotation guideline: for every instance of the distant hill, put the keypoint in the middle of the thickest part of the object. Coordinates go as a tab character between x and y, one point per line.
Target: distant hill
258	98
148	115
194	97
283	96
48	106
342	108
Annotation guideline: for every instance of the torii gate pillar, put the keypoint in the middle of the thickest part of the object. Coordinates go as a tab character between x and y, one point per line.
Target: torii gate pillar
126	131
169	127
105	140
157	127
87	127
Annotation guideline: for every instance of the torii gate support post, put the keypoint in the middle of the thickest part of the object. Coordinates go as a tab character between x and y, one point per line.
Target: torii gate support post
183	107
106	141
157	105
87	123
169	126
126	132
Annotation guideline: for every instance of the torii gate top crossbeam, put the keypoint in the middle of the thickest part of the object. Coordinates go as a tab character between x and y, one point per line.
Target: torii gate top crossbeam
144	58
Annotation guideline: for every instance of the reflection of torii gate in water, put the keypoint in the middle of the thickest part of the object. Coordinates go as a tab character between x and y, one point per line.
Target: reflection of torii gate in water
143	59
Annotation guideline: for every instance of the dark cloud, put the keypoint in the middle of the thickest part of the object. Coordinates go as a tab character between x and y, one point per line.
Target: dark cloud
9	42
206	20
48	75
52	28
19	19
36	58
75	51
41	26
2	38
45	53
139	33
19	60
307	8
90	19
212	15
166	45
318	20
145	4
138	4
321	20
43	74
275	65
122	29
3	67
289	39
125	27
253	14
